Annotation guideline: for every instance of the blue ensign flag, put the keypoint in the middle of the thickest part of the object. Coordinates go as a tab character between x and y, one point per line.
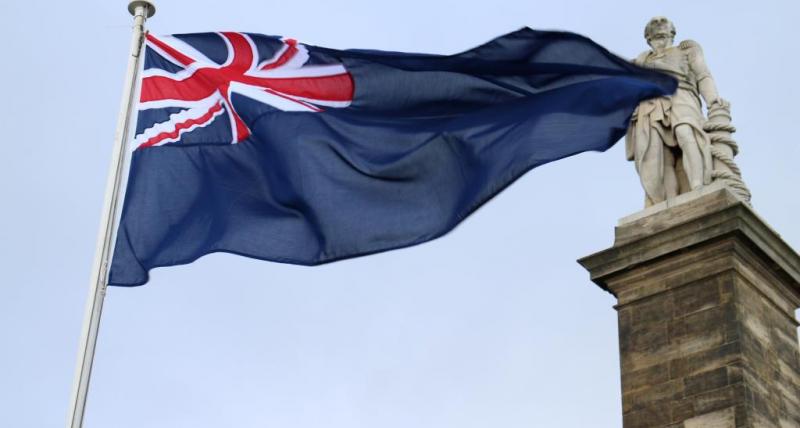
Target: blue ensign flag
269	148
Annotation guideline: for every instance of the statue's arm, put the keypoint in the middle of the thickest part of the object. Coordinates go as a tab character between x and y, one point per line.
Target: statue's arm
705	82
639	61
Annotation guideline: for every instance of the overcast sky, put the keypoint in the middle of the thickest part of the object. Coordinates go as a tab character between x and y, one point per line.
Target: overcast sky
494	325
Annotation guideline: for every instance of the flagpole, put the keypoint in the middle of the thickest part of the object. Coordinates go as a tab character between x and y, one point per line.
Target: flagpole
141	10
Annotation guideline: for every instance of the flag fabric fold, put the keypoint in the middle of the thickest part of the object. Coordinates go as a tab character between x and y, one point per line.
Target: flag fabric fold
268	148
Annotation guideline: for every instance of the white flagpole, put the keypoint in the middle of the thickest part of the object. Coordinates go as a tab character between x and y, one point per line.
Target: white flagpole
141	10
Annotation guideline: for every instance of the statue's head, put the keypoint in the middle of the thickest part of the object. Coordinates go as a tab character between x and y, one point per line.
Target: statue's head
659	33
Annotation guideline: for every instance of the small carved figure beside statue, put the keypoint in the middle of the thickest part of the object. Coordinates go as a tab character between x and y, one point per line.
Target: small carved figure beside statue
677	149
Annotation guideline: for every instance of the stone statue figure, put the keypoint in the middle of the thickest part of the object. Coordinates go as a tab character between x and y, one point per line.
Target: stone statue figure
675	148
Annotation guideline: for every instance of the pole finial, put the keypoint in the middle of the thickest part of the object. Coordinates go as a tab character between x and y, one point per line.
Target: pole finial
148	5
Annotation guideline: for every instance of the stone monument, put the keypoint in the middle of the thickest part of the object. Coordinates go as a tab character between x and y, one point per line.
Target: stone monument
706	290
674	148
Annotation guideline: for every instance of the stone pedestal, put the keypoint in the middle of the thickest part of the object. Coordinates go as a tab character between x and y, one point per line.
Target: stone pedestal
706	298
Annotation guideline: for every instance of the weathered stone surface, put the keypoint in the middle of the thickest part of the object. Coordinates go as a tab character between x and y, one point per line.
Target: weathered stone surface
666	214
706	381
706	298
653	375
725	418
651	415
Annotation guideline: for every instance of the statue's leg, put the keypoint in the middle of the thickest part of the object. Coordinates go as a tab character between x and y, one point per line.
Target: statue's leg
683	182
651	169
670	176
690	153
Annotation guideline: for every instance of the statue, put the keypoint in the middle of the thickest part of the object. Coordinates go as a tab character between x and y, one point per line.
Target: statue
675	148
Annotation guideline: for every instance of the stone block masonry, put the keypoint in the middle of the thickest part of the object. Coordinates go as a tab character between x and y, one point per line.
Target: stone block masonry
706	298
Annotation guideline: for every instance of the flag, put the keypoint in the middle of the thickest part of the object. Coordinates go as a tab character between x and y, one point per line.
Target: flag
277	150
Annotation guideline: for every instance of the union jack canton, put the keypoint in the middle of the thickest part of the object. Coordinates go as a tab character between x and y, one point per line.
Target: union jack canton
192	85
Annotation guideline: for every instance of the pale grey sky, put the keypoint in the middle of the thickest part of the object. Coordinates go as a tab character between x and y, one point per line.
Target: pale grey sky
494	325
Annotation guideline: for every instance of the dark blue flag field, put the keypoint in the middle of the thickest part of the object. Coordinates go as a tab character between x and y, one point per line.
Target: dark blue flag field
269	148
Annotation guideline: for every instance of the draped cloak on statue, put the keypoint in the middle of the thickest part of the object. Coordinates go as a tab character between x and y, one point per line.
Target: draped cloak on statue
662	115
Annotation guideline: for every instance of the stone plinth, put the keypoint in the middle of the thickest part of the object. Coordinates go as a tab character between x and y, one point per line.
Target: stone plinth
706	298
